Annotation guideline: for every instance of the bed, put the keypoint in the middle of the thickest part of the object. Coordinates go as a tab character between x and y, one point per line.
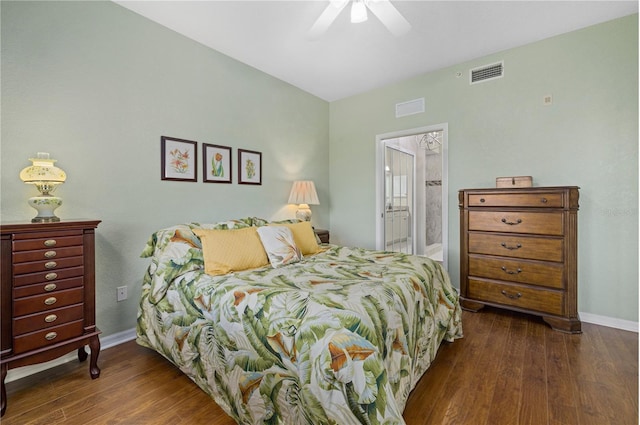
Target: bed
339	335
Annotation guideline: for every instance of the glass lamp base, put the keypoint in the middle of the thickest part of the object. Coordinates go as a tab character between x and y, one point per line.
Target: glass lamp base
45	205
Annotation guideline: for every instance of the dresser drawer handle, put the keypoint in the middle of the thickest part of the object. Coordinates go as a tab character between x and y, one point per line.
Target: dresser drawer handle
482	200
512	223
51	336
50	265
51	318
543	200
504	269
50	254
51	276
504	245
50	242
50	301
513	297
50	287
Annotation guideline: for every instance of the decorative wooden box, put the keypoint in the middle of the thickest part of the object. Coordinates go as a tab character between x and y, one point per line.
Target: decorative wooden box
519	181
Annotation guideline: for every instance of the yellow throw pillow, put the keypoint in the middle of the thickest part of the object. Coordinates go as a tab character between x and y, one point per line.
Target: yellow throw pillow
231	250
304	237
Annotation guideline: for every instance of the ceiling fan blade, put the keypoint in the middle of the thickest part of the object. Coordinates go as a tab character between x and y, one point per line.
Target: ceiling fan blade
325	20
389	16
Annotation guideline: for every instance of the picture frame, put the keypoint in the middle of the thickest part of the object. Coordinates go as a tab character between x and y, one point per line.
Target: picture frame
216	164
249	167
178	159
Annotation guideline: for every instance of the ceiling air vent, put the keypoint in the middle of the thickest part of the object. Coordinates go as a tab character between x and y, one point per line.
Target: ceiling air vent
487	72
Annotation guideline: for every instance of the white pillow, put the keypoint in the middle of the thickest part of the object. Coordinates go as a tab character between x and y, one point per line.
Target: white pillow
279	244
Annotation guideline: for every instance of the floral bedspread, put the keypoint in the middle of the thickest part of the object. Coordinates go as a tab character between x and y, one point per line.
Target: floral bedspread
341	337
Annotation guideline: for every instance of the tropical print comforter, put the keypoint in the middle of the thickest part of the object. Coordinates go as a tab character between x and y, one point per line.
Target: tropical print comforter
341	337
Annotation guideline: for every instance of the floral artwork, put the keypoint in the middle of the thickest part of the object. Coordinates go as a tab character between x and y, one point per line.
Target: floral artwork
216	163
178	159
249	167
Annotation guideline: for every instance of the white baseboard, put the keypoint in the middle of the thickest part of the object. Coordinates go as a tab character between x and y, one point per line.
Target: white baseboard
106	342
610	322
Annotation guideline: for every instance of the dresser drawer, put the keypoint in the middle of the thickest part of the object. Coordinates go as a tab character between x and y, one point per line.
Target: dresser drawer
45	302
46	287
524	297
47	336
46	254
517	246
38	321
47	241
543	200
48	276
522	271
47	265
541	223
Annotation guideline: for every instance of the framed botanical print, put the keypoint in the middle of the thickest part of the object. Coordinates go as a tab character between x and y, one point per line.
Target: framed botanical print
216	163
249	167
178	159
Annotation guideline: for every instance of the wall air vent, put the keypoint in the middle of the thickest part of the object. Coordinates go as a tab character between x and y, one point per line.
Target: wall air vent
410	107
487	72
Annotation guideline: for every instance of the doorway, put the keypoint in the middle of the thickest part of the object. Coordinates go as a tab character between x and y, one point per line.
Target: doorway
427	213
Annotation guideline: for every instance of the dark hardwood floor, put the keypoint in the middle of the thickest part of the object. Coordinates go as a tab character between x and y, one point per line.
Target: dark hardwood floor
508	369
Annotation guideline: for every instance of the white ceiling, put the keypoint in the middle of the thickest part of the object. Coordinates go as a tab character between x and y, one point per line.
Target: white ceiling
354	58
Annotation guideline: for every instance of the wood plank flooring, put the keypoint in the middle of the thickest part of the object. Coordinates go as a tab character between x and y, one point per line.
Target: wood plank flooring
509	369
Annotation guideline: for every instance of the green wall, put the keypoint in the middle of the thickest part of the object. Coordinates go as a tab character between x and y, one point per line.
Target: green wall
96	85
588	137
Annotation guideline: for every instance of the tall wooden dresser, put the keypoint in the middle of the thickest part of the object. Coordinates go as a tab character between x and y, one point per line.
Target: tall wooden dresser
47	297
519	251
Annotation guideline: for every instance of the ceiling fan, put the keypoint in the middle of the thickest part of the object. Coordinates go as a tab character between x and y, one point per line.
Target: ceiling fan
383	9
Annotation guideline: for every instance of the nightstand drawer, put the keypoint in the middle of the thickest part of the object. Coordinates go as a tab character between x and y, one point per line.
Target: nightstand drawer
547	223
521	271
47	336
46	254
35	322
543	200
524	297
50	240
41	303
47	265
48	276
517	246
46	287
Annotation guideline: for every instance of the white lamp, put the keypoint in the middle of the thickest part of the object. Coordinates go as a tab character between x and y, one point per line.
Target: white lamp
46	177
304	194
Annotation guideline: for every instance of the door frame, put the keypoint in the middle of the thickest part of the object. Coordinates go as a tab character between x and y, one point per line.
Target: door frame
420	215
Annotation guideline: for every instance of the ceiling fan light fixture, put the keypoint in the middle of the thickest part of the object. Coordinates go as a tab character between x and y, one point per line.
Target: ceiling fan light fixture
358	12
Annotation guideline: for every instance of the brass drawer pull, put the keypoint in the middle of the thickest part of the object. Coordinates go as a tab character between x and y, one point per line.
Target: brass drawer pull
508	295
511	223
51	318
504	269
50	301
50	265
504	245
50	242
51	276
50	287
50	254
51	336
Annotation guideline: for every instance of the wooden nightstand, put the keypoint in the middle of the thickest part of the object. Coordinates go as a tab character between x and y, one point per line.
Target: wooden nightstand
322	234
47	294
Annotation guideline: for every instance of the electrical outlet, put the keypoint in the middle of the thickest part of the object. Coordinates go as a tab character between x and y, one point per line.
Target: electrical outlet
121	293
